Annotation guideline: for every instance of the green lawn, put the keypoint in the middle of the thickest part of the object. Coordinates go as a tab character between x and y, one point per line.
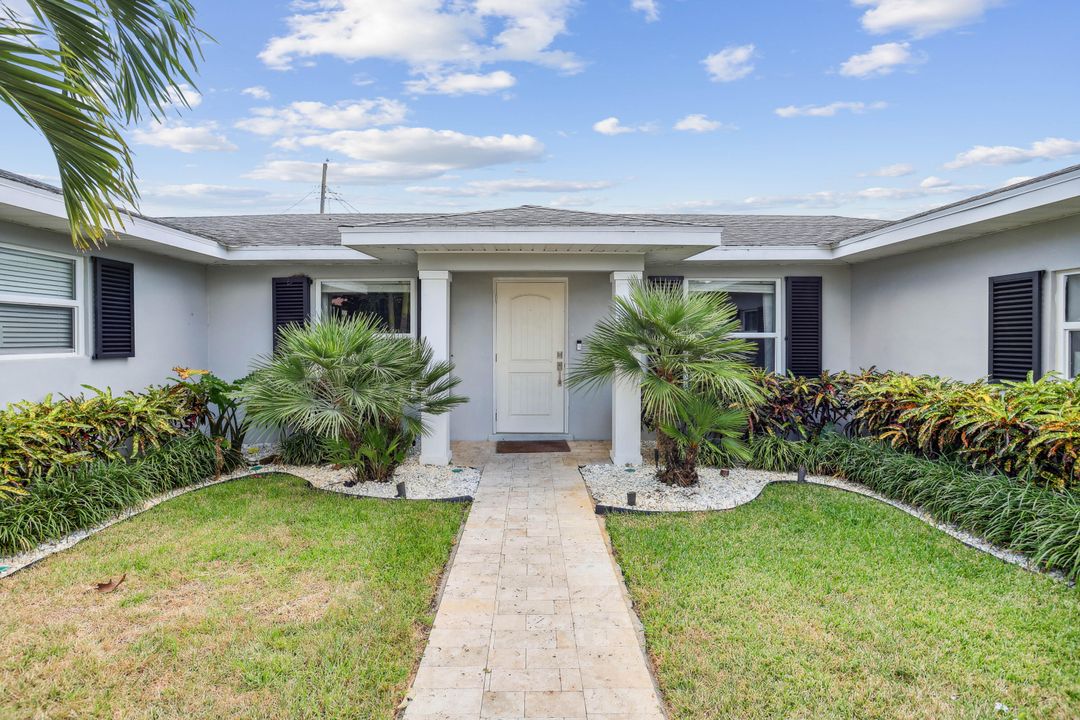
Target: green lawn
815	603
258	598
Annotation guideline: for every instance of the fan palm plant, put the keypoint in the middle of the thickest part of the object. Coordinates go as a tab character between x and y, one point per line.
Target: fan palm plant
80	70
681	350
342	377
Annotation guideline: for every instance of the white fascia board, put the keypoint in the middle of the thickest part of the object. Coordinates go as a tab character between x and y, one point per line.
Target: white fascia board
744	253
1060	188
43	202
296	253
419	237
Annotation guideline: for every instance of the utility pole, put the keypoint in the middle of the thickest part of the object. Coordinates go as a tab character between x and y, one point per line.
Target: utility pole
322	190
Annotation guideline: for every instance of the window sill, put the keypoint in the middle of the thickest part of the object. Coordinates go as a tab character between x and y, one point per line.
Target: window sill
41	356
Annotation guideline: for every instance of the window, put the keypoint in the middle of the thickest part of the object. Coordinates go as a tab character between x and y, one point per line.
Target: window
758	309
1071	324
389	300
40	302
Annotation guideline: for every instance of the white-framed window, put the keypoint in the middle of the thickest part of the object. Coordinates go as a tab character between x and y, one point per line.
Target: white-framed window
758	305
1069	323
41	303
393	301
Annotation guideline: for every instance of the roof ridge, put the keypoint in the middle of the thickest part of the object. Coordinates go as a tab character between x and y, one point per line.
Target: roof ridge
567	211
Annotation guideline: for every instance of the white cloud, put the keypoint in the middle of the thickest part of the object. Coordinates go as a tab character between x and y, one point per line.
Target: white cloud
832	199
731	63
650	8
204	191
611	126
256	91
428	35
462	83
920	18
1045	149
828	110
879	60
184	138
399	154
1017	179
311	116
700	123
895	170
418	145
486	188
183	97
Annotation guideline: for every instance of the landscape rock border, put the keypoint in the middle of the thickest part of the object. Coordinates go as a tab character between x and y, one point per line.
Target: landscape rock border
836	483
21	561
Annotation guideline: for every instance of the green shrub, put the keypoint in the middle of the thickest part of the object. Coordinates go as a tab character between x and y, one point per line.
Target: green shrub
380	450
776	454
36	437
1041	523
76	497
213	401
303	448
344	379
1029	430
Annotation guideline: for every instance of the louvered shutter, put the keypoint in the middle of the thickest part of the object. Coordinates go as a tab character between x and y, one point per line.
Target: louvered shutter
672	282
803	306
1015	326
114	309
291	302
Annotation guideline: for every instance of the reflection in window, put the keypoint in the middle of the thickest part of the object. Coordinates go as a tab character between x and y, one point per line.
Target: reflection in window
388	300
755	301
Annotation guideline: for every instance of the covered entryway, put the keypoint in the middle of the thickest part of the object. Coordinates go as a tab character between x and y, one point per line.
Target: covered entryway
530	356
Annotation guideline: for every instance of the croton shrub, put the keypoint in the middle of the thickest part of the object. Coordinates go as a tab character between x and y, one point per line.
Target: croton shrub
99	425
1028	430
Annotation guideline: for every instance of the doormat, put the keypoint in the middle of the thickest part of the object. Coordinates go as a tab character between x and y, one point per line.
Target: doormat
508	447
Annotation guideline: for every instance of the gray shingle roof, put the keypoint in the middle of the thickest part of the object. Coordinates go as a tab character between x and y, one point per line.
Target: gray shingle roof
754	230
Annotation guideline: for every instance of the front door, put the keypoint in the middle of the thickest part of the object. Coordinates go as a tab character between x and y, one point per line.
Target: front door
530	356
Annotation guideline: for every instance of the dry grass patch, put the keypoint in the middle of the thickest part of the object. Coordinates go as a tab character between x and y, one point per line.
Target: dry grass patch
253	599
814	603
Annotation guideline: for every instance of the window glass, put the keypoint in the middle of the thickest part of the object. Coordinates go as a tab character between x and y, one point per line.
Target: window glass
389	301
755	301
28	273
33	328
765	356
1072	298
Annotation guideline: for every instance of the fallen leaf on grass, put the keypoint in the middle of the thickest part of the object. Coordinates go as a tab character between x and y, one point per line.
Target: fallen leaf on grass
109	586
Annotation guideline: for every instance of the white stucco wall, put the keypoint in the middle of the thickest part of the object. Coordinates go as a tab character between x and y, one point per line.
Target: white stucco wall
170	326
835	296
241	314
927	311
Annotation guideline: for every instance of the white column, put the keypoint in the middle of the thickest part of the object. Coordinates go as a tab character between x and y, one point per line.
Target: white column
435	328
625	397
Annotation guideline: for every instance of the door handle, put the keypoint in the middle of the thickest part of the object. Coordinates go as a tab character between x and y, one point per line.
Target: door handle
559	367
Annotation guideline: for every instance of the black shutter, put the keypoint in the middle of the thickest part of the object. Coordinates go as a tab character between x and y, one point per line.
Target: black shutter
1015	326
671	282
803	306
114	309
291	302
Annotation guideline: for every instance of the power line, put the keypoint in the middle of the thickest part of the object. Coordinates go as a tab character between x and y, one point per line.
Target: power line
309	194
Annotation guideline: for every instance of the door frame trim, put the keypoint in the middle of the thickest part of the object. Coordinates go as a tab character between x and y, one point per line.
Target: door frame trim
565	282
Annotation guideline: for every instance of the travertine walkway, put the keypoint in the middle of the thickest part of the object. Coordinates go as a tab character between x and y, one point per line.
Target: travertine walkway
533	622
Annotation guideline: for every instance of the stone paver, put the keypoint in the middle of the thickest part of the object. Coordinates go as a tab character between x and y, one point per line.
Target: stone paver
534	621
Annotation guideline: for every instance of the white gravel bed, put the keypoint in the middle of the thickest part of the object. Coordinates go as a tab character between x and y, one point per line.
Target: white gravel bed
422	482
609	484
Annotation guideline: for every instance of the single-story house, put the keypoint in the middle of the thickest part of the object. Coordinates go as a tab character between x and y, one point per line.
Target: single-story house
986	286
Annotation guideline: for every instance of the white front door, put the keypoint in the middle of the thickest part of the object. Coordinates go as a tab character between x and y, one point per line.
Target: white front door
530	356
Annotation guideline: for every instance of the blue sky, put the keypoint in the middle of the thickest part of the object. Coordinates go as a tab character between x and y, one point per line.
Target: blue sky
874	108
